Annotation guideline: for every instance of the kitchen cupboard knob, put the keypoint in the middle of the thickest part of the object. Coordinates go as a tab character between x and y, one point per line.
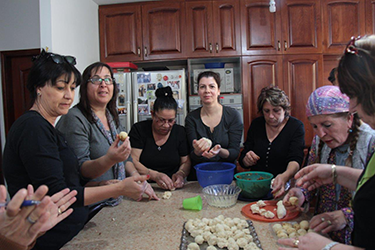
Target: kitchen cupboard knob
145	51
139	51
278	45
217	48
210	47
285	45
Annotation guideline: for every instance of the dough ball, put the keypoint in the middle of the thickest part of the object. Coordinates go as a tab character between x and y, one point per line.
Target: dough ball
261	203
277	227
301	232
167	195
293	201
211	248
208	143
199	239
123	135
193	246
304	224
269	215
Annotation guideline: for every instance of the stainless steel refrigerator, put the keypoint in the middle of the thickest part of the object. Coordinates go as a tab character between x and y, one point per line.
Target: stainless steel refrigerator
137	94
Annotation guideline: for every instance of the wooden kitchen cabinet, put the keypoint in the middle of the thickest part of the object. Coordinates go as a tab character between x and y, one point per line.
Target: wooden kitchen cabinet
341	21
297	75
120	29
370	16
136	32
213	28
294	28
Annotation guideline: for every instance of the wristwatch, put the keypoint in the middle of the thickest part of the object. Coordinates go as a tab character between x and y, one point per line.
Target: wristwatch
330	245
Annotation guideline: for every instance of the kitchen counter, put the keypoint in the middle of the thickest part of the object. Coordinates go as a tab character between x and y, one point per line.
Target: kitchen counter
156	224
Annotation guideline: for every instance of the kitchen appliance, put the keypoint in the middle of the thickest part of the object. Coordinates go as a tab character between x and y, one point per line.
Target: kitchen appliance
137	94
226	77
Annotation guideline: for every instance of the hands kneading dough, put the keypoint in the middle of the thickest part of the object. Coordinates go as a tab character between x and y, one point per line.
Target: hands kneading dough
122	136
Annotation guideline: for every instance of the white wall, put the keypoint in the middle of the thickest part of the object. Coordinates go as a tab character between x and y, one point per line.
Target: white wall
19	29
68	27
74	30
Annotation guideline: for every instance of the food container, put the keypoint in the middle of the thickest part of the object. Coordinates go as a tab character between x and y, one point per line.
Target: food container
212	173
255	184
221	195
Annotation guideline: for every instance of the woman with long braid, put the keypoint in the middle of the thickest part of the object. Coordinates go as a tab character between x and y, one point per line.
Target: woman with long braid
341	139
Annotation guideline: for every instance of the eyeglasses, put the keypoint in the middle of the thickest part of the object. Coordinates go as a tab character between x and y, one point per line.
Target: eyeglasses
351	48
58	59
98	80
163	121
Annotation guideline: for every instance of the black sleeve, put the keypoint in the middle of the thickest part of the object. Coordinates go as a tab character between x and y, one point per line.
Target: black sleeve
135	135
40	154
297	144
235	134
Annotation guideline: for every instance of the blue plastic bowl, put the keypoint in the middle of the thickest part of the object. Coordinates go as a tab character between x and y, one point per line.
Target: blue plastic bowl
212	173
214	65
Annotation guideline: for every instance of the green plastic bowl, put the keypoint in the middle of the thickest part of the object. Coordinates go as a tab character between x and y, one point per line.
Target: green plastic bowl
254	184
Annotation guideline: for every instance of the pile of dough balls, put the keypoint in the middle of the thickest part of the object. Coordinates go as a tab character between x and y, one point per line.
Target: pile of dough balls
256	208
291	230
229	233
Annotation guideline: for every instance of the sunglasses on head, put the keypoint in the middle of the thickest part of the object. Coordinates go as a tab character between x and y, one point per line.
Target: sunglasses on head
56	58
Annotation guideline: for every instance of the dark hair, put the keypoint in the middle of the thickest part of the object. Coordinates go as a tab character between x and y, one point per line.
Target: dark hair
332	75
164	99
46	70
84	102
353	136
356	73
275	96
208	74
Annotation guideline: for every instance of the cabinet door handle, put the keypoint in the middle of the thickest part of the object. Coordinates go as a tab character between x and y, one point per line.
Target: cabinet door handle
285	45
210	47
278	45
145	51
217	48
139	51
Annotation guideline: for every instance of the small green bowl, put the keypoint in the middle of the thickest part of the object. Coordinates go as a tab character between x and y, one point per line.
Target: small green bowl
254	184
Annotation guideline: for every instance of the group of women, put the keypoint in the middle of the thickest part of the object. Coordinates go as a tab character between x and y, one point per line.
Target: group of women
84	153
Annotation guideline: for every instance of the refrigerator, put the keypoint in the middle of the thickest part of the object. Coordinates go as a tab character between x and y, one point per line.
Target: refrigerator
137	94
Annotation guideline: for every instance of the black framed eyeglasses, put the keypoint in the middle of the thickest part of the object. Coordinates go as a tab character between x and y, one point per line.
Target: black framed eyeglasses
351	48
98	80
163	121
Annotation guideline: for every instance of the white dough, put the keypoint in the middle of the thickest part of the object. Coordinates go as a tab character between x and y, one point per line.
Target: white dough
261	203
208	143
211	248
304	224
269	215
123	135
281	211
167	195
199	239
193	246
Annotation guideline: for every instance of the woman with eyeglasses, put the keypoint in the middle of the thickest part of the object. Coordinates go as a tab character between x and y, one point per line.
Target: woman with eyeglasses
159	146
91	128
357	80
37	153
220	124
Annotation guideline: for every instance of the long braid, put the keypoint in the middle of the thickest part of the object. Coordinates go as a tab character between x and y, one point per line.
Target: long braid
320	147
354	139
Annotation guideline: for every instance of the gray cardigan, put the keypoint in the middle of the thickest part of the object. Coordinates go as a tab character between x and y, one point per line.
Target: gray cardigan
86	139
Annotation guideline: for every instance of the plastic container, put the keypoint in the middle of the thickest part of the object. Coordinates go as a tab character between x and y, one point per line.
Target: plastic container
221	195
255	184
214	65
212	173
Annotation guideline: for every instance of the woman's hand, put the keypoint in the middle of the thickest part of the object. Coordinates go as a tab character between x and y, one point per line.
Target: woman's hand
22	225
310	241
328	222
250	159
213	152
162	180
178	179
133	187
278	185
296	192
149	191
117	153
200	146
314	176
58	208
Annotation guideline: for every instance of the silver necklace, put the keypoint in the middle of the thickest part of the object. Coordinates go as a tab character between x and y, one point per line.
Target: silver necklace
159	148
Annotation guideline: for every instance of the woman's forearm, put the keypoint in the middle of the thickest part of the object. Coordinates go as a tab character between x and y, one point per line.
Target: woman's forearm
92	169
96	194
348	177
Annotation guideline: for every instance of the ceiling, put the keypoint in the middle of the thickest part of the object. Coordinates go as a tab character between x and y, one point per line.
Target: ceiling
104	2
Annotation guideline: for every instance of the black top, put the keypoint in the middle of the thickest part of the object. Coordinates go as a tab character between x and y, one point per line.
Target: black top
166	158
274	157
36	153
364	216
227	133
